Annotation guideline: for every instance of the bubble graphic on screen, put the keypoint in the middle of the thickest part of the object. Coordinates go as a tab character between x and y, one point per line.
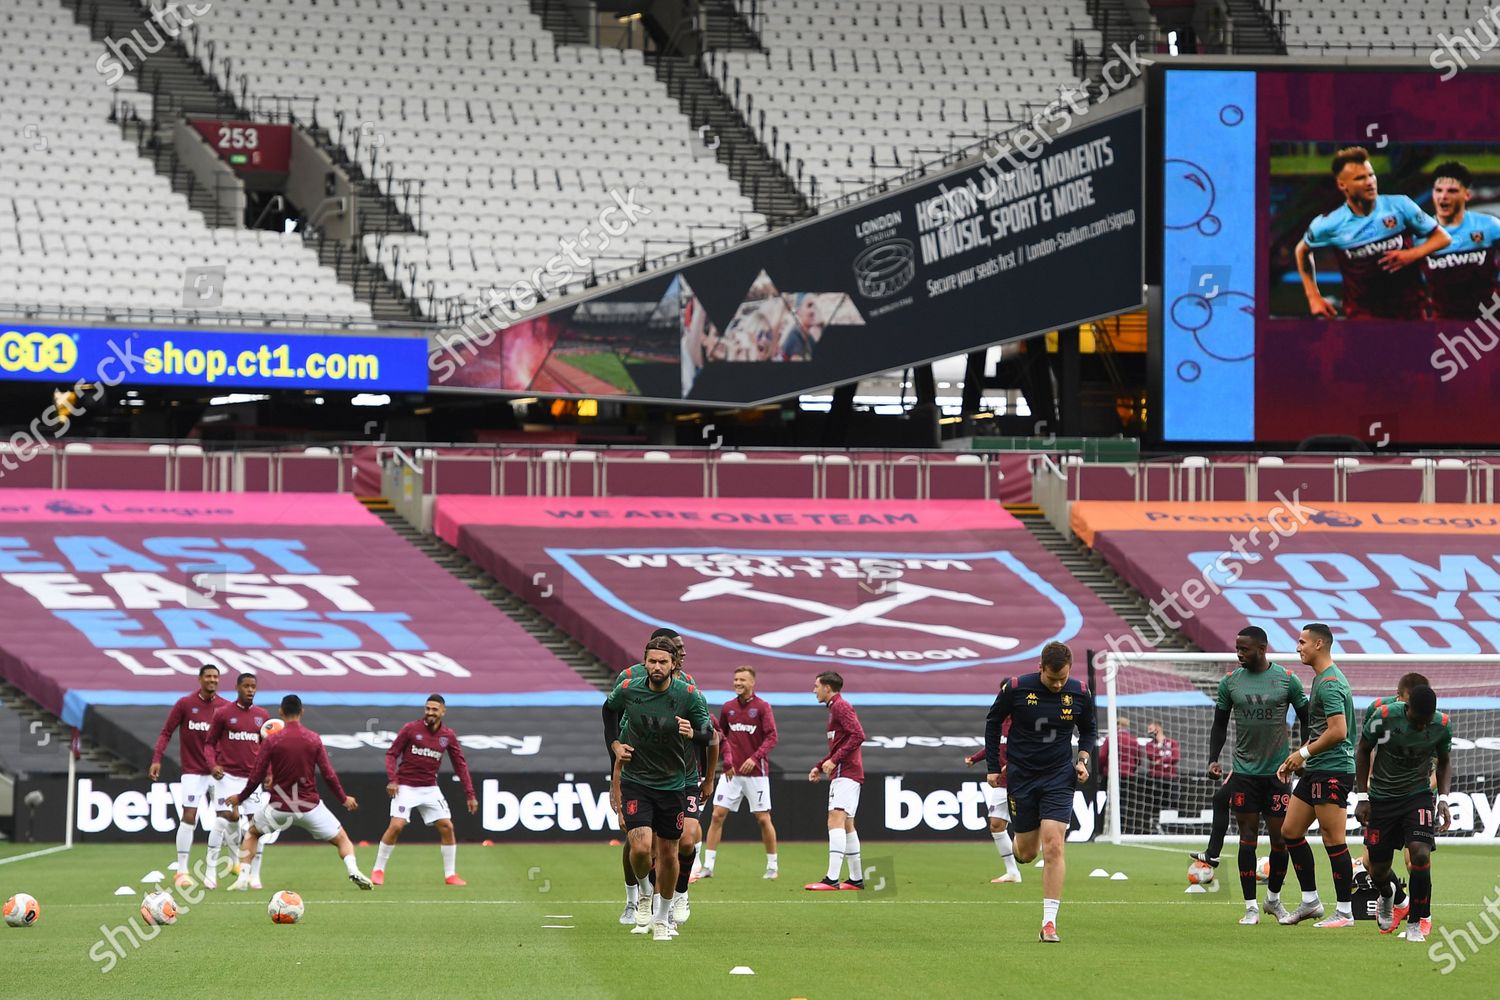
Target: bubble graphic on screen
1192	312
1189	371
1189	199
1229	334
1231	115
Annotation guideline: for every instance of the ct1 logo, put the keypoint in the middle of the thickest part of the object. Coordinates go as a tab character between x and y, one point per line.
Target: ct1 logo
38	353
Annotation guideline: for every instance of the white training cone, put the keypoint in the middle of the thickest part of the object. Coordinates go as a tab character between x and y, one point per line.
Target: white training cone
1098	873
742	970
124	890
172	867
153	876
1196	888
1119	877
1040	863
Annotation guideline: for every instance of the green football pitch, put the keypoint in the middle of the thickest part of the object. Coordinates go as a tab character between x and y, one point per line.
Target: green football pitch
540	920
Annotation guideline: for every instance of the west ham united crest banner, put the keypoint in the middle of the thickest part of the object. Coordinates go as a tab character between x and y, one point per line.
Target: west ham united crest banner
907	600
975	257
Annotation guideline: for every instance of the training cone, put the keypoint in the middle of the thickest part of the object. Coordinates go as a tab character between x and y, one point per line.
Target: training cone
1098	873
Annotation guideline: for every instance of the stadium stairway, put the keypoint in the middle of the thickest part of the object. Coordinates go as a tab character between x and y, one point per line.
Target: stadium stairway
1254	31
35	725
761	177
1092	571
589	667
726	28
178	84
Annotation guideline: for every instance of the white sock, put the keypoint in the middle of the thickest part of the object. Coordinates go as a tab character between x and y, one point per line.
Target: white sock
836	841
1309	897
1251	905
660	907
1007	851
450	860
851	854
632	895
655	903
1273	897
350	865
1345	909
215	842
1049	910
383	855
770	862
184	845
260	849
647	889
708	859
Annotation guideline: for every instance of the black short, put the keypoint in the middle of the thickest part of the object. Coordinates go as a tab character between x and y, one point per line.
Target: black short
1394	823
1030	803
696	806
662	811
1258	793
1318	788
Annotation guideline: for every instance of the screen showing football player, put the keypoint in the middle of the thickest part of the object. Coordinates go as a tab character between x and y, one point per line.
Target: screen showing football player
662	719
844	766
1374	237
1393	763
292	760
1042	767
411	772
1258	696
1326	765
748	727
191	715
1461	276
233	741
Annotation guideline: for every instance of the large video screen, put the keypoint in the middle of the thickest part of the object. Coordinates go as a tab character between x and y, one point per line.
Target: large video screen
978	256
1330	244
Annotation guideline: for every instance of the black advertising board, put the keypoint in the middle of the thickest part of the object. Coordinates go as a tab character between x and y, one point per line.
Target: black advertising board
977	257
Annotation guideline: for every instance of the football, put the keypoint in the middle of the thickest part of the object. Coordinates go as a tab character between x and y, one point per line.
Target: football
286	907
270	728
1263	871
1199	873
21	910
159	908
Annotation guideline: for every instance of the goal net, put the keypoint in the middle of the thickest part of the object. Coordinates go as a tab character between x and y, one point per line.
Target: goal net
1163	704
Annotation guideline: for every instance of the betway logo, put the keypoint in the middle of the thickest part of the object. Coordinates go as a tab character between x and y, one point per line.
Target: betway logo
742	727
131	811
424	752
944	810
902	742
198	727
519	746
538	812
251	737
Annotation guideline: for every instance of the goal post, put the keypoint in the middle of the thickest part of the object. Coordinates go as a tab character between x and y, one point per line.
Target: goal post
1163	705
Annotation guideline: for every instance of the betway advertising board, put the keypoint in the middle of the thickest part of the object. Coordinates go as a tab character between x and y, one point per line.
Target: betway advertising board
911	602
120	597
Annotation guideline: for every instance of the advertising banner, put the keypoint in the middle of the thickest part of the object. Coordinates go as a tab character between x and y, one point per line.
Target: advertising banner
1386	578
121	597
218	358
978	257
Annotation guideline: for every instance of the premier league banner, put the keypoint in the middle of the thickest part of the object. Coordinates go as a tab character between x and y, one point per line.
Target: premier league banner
911	602
977	257
119	598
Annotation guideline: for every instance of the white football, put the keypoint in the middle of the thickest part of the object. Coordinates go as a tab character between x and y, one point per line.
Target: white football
270	728
159	908
1263	871
1199	873
286	907
22	910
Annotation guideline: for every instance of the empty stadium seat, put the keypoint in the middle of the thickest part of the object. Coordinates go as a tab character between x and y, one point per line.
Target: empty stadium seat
517	145
79	204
